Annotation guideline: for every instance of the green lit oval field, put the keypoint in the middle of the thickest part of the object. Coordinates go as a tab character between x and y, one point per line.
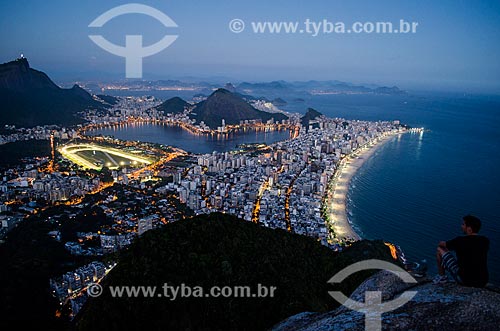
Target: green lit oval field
96	157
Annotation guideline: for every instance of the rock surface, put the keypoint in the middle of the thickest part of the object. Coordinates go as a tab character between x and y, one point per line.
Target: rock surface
435	307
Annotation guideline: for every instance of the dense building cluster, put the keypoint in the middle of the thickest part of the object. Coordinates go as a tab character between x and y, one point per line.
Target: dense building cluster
280	186
283	185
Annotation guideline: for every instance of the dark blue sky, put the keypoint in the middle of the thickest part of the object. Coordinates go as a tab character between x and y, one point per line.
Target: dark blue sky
456	46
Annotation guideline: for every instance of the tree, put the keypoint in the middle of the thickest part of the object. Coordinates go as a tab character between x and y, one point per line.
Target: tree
105	175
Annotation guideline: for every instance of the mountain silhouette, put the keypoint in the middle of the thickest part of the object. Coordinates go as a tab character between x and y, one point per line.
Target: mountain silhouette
28	98
173	105
223	104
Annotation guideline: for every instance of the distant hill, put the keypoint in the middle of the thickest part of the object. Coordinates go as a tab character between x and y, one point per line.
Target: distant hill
222	250
271	85
223	104
310	115
28	97
293	90
303	88
272	89
173	105
389	90
230	87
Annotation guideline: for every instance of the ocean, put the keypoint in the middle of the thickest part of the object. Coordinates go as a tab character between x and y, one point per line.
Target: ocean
415	189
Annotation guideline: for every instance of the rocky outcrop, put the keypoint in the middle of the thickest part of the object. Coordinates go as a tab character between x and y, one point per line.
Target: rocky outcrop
18	76
29	98
435	307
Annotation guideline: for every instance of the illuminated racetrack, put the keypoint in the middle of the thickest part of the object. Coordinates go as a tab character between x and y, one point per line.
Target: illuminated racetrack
95	157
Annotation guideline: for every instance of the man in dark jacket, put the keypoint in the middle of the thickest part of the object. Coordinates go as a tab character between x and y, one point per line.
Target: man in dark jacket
469	268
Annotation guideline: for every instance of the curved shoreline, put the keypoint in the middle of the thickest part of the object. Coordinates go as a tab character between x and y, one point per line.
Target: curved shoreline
337	194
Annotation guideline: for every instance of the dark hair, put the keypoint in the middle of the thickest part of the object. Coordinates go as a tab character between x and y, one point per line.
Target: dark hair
473	222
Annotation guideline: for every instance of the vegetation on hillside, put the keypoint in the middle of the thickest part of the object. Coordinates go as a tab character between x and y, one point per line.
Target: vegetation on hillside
222	250
13	153
223	104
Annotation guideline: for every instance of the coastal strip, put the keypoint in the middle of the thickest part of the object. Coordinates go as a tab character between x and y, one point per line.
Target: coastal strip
336	202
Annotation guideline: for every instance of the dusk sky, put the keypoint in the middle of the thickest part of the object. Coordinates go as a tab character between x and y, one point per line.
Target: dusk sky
456	45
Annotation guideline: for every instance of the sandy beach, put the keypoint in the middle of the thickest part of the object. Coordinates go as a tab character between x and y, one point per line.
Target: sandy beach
337	195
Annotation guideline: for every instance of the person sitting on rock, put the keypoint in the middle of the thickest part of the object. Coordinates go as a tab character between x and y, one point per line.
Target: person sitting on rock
469	268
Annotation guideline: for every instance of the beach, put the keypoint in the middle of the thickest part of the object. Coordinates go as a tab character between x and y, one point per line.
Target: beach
337	195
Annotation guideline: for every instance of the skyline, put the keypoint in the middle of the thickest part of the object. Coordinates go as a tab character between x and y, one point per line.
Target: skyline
453	49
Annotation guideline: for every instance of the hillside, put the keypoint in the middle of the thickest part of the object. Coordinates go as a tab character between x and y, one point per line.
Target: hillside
310	115
13	153
28	98
222	250
173	105
223	104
